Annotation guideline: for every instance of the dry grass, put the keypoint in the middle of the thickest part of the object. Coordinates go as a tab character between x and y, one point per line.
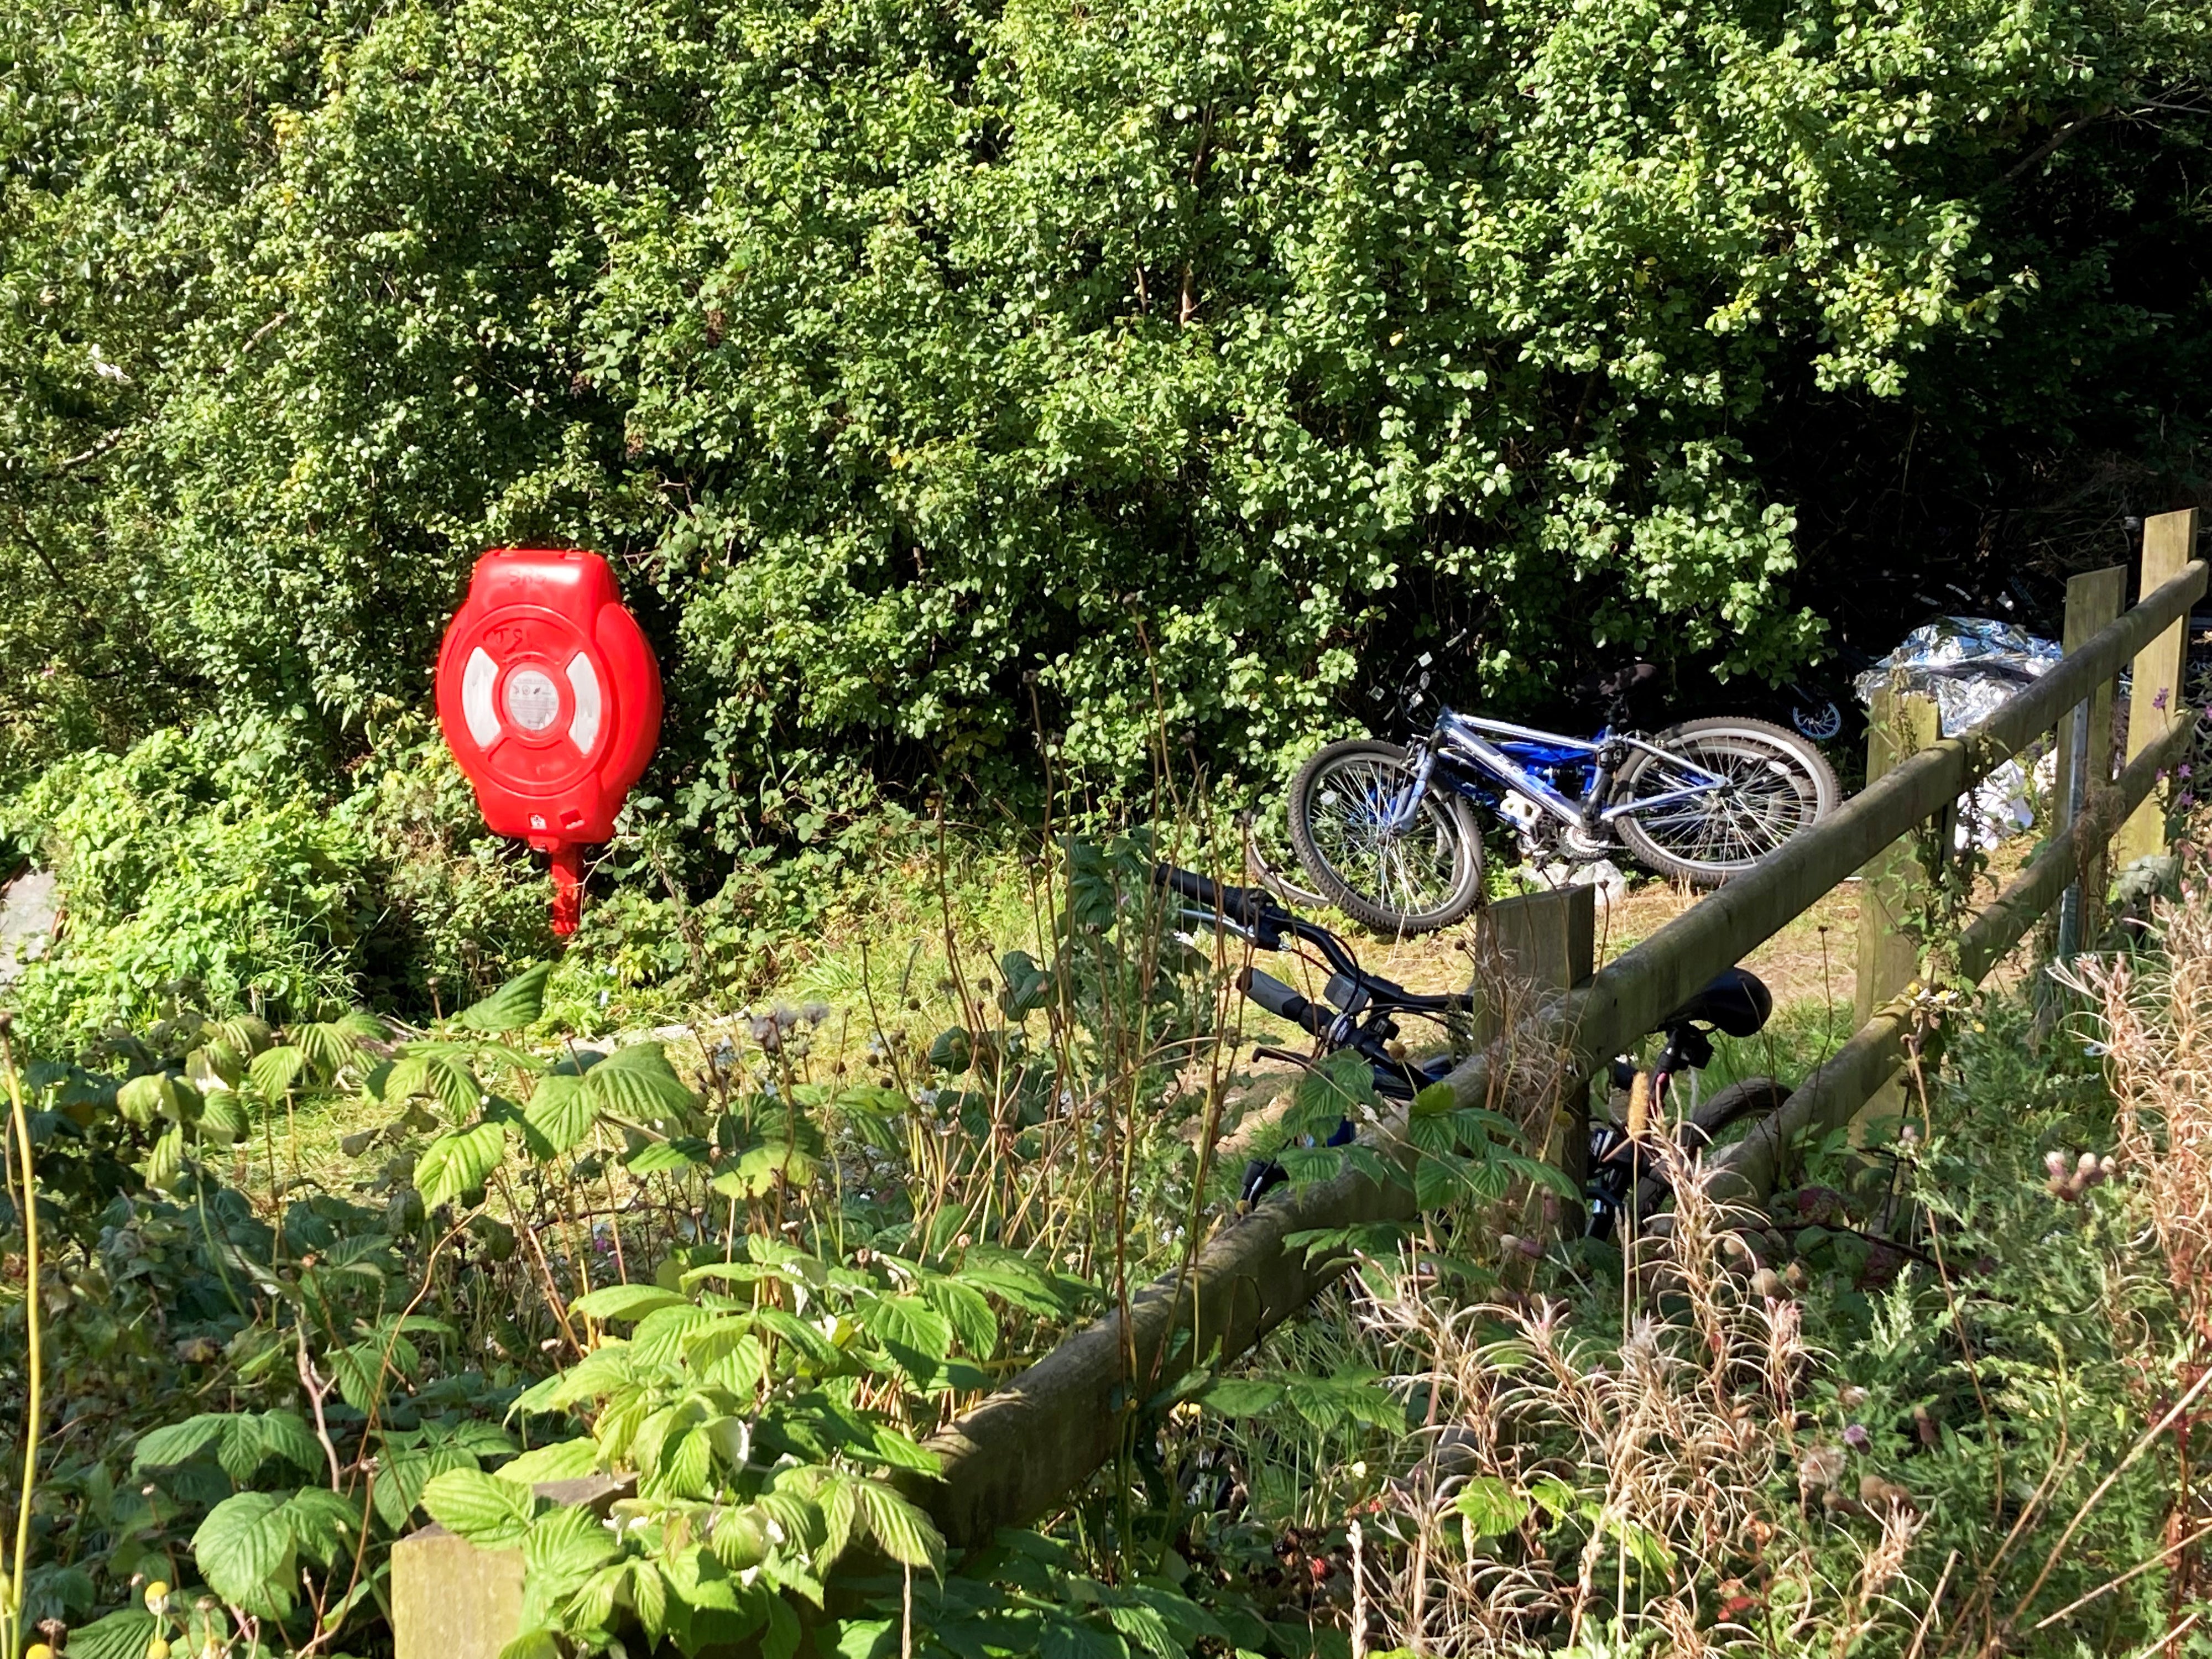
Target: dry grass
1660	1454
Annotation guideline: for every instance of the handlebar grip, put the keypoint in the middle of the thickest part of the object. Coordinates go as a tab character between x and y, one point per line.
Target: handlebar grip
1247	907
1280	1001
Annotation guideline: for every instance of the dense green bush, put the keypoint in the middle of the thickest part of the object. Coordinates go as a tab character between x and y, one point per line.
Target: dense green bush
1160	353
223	867
193	871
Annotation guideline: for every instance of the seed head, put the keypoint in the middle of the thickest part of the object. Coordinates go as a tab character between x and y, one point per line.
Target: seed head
1823	1465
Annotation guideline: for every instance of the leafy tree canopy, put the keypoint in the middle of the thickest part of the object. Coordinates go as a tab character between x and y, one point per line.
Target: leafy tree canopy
916	360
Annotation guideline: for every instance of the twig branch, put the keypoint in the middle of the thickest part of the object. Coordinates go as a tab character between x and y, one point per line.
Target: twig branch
318	1388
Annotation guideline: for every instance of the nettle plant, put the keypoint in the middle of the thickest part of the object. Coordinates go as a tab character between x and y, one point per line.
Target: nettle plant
765	1392
262	1525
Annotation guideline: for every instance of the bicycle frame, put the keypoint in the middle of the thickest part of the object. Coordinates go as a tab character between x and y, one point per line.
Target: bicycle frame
1464	741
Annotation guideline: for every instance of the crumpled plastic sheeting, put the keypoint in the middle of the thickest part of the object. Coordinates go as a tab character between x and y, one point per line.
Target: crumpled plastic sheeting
1970	665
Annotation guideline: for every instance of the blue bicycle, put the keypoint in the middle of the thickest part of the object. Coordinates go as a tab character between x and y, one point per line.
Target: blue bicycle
1389	835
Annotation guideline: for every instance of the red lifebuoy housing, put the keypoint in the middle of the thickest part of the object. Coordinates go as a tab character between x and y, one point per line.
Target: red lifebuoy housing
551	700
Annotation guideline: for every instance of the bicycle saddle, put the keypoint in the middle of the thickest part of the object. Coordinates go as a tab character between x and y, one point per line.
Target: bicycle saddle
1736	1002
1637	674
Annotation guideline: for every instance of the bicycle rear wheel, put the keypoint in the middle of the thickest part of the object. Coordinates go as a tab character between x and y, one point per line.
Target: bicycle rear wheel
1413	880
1774	783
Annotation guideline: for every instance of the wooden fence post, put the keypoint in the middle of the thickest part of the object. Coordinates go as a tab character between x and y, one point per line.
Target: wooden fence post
452	1601
1548	939
1540	944
2085	750
1893	887
2156	698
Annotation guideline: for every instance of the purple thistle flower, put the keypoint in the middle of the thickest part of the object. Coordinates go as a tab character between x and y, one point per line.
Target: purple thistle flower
1857	1437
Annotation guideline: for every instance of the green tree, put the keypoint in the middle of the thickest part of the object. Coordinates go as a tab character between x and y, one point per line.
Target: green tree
1155	362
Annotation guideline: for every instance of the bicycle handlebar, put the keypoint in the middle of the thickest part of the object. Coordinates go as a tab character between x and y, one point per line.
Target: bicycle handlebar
1247	907
1254	911
1280	1001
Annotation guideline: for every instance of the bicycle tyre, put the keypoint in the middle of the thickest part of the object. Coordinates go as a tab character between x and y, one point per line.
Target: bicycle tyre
1264	859
1753	753
1747	1098
1448	820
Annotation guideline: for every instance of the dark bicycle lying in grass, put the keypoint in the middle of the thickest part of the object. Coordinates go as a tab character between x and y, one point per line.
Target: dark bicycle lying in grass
1364	1013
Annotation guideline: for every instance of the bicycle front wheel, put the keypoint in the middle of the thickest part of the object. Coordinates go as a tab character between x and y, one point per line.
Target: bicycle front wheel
1773	783
1412	879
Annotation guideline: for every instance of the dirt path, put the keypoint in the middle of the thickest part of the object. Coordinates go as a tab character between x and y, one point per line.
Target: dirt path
1811	960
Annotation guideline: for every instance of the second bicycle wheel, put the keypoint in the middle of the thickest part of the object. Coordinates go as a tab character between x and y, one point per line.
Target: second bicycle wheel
1746	1101
1773	783
1411	880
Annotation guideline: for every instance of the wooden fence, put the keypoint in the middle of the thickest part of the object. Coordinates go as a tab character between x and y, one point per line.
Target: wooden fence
1021	1451
1024	1450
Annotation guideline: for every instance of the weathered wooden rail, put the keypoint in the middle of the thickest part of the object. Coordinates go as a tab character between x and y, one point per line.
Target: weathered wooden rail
1023	1450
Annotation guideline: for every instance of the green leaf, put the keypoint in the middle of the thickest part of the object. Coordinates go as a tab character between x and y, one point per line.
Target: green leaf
285	1434
178	1443
559	1115
1329	1402
325	1524
781	1639
1144	1625
908	1535
222	1116
244	1550
907	1322
636	1082
660	1157
405	1472
274	1072
625	1302
1240	1397
143	1099
971	1315
807	1338
123	1635
564	1460
901	1452
490	1513
648	1596
1489	1507
166	1161
439	1069
756	1174
663	1336
1554	1496
459	1163
1072	1639
1435	1101
565	1547
515	1006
